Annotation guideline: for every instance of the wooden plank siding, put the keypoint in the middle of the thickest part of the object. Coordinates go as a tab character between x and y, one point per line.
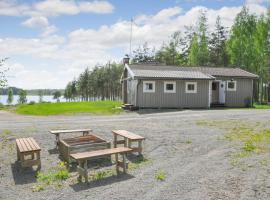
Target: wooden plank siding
244	90
180	99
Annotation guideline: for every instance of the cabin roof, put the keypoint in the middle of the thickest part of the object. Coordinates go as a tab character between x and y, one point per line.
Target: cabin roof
176	72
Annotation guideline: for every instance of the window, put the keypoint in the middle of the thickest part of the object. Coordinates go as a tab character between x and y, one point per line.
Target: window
148	86
170	87
231	85
191	87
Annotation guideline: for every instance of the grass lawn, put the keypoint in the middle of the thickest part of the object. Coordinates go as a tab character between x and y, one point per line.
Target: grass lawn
262	106
95	107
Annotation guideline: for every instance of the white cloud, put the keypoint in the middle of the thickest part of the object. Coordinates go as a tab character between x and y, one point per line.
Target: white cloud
86	47
36	22
54	8
96	7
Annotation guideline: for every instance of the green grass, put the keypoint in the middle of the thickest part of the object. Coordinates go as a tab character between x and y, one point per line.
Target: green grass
161	176
250	139
262	106
55	176
95	107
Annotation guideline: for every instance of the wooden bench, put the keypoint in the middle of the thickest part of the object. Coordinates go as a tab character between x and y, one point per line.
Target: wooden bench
82	158
58	132
28	147
128	139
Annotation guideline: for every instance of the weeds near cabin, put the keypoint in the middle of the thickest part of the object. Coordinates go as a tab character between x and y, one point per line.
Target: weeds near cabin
161	176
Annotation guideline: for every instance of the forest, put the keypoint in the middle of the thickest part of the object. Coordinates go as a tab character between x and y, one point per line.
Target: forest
246	45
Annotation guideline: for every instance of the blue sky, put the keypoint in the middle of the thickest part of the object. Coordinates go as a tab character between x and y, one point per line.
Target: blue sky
50	42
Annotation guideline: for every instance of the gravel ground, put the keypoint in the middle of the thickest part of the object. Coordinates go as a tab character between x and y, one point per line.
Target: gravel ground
196	161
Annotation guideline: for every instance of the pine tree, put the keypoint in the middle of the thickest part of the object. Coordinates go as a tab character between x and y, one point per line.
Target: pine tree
217	46
203	53
10	96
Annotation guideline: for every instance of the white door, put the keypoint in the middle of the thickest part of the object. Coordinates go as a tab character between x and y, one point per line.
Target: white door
222	87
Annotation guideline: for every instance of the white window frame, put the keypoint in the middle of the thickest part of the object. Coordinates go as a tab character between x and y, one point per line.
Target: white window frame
191	91
170	91
231	89
149	91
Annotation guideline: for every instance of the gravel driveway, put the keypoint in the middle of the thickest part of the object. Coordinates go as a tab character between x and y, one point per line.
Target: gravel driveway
195	159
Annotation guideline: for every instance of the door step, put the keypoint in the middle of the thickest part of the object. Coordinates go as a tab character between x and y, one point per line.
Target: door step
129	107
218	105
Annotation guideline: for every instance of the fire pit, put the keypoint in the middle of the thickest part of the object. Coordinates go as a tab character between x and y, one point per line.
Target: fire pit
81	144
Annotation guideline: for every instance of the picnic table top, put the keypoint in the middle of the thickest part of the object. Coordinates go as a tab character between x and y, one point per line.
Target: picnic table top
69	131
27	144
103	152
128	135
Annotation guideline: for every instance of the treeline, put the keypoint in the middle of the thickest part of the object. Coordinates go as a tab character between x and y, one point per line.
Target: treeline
245	45
34	92
101	83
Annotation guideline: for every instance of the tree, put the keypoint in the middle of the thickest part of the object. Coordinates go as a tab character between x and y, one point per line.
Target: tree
143	54
3	79
10	96
57	95
40	95
203	53
217	46
22	97
193	59
169	53
240	46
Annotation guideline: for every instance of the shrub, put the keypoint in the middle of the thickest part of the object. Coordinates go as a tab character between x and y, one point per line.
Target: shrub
1	105
31	103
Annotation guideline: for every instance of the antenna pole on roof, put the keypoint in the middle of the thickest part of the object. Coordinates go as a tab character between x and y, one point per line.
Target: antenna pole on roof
130	39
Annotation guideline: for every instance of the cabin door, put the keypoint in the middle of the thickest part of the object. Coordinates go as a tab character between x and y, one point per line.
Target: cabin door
222	93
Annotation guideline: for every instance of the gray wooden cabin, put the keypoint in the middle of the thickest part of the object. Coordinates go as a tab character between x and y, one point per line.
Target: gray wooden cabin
161	86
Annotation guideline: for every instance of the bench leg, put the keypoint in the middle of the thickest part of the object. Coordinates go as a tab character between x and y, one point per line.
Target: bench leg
85	133
140	147
18	153
86	174
124	163
57	139
38	158
129	143
117	165
82	170
114	140
126	142
80	176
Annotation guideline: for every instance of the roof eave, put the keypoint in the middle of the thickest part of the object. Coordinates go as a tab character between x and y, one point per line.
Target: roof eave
170	78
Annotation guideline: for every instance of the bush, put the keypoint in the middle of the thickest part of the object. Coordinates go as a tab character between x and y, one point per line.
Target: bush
1	105
31	103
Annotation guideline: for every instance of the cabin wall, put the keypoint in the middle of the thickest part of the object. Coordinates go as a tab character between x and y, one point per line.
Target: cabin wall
243	94
180	99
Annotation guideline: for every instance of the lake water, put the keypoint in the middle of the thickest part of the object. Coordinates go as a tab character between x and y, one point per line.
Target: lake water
3	99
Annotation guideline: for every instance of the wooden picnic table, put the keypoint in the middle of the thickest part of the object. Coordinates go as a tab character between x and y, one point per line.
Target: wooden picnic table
28	147
128	139
58	132
82	158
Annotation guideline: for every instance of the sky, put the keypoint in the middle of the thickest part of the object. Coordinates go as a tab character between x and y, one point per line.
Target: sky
50	42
